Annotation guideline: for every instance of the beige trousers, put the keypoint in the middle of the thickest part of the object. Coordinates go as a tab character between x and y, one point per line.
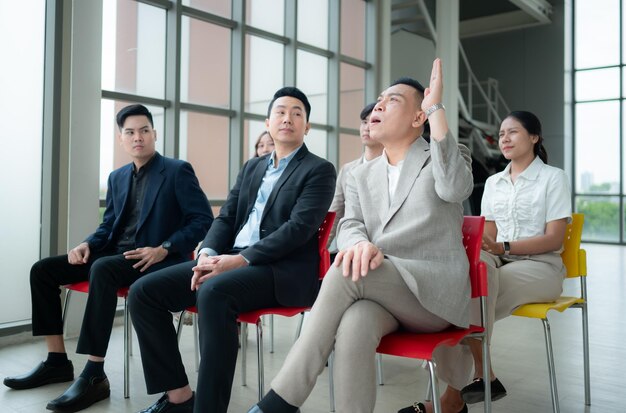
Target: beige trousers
513	281
352	318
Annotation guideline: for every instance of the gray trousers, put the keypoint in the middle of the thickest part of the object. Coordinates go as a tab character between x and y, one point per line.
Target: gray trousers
352	318
513	281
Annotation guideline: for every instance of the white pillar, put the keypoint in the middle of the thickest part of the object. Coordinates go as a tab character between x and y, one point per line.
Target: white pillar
84	137
447	24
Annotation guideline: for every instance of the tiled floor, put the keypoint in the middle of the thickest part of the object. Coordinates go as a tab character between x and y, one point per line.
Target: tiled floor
518	349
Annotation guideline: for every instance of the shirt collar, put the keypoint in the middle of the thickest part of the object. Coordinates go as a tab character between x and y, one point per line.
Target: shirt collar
386	160
284	160
530	173
145	167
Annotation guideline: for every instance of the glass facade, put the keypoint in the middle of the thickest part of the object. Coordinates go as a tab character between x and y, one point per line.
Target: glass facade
599	104
229	68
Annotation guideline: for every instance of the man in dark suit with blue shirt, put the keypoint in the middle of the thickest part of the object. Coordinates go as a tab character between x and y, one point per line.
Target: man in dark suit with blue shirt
155	216
260	252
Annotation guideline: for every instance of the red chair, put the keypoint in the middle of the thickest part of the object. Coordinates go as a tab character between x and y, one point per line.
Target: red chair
83	287
254	317
421	346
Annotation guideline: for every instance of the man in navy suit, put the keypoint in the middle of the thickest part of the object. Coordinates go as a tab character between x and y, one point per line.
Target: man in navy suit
155	216
260	252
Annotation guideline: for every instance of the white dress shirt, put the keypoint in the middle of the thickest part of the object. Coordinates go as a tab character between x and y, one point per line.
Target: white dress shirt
522	209
393	174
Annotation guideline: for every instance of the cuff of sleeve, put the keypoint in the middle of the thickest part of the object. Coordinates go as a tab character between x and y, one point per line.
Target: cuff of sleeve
208	251
244	257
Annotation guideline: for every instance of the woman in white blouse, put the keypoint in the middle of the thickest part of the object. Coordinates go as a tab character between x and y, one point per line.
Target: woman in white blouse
527	207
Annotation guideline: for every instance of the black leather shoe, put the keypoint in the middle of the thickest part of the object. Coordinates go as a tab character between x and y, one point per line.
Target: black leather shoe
475	391
163	405
81	394
41	375
420	408
257	409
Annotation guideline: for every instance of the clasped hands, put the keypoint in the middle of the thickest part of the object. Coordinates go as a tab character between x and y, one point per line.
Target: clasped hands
359	259
210	266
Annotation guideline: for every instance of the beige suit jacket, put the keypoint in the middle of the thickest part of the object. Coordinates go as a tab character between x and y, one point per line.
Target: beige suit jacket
419	231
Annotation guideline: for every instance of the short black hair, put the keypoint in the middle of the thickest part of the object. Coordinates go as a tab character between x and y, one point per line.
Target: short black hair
293	92
367	110
412	83
133	110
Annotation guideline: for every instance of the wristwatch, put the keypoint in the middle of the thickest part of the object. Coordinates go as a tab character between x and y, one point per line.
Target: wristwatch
167	245
507	247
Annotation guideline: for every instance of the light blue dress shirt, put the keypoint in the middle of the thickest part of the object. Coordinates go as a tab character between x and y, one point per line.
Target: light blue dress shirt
249	233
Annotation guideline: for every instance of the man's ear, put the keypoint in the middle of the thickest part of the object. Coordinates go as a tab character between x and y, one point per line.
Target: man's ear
307	128
419	119
267	124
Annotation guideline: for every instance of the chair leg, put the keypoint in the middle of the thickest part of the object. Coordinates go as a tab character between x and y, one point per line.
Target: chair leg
196	340
435	386
486	374
299	328
551	369
379	369
271	333
331	381
66	305
127	332
586	354
179	326
259	348
244	351
127	350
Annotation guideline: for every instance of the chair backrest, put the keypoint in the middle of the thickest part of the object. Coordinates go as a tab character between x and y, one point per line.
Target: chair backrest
322	241
573	257
472	240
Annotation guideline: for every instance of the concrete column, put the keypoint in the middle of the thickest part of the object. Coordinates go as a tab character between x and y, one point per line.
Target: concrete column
447	24
84	139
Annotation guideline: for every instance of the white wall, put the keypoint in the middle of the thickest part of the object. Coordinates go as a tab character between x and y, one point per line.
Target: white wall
412	56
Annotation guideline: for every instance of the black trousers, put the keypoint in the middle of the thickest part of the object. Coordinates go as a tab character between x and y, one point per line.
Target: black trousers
219	300
106	272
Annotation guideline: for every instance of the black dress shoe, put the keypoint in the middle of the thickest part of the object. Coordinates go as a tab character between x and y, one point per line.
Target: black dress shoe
420	408
475	391
41	375
163	405
81	394
257	409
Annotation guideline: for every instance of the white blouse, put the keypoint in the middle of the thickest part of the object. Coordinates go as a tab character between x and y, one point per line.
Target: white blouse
521	210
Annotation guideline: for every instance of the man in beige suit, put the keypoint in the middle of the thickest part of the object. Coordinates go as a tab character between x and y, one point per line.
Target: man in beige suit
371	150
401	261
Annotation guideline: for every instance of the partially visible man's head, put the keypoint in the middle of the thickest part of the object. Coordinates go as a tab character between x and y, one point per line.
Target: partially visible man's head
364	128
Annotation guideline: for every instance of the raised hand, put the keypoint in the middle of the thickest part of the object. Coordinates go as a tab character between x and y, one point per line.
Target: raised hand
434	92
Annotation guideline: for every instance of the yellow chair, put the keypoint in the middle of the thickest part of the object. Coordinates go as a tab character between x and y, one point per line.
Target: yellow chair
575	260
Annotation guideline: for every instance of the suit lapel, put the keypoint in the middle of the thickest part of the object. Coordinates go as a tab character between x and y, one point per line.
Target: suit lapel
416	158
255	184
291	167
155	180
125	180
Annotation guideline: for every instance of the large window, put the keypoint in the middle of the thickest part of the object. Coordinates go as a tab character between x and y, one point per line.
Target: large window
21	108
599	122
211	103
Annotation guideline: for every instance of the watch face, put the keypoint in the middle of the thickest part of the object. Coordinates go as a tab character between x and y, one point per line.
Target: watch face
166	245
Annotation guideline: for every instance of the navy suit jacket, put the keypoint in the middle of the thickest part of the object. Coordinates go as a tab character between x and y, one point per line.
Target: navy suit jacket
288	229
174	209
